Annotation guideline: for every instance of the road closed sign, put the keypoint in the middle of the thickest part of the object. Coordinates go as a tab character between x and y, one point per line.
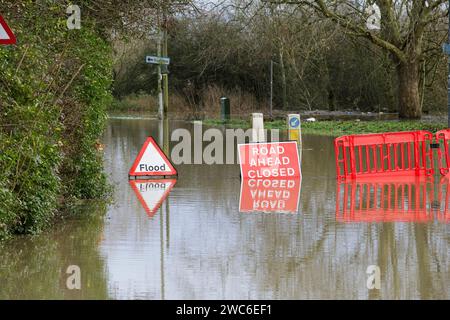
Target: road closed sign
278	160
151	161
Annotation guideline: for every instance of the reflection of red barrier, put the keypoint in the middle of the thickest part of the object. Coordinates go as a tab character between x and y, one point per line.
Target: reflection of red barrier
374	155
270	195
444	193
407	199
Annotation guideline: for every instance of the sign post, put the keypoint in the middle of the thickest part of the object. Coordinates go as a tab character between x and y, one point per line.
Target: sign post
157	60
294	128
295	131
162	64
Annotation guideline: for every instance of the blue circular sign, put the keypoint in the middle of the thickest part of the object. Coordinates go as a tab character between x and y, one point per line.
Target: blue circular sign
294	122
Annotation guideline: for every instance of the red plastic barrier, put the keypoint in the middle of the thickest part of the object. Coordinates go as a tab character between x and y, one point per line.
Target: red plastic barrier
443	138
403	199
374	155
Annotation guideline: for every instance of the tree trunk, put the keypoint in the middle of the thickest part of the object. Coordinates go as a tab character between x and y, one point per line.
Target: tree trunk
409	106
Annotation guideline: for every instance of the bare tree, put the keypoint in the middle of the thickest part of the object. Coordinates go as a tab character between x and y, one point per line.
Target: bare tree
402	27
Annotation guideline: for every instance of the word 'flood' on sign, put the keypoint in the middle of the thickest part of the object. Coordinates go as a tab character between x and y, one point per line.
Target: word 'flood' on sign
152	161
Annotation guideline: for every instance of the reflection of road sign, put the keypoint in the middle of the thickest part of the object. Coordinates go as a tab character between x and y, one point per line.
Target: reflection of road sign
152	193
278	160
270	195
152	161
157	60
6	35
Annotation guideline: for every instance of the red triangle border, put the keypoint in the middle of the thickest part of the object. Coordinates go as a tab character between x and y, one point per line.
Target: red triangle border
172	172
12	38
151	213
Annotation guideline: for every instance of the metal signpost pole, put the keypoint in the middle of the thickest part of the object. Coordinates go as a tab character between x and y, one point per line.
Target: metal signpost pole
271	87
160	95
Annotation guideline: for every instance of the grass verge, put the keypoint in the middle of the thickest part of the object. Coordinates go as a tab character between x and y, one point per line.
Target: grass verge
338	128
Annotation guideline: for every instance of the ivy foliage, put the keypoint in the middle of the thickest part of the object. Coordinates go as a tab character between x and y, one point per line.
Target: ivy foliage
54	89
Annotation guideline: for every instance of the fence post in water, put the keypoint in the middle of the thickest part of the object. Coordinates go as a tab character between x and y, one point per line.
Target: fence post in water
295	131
225	109
258	127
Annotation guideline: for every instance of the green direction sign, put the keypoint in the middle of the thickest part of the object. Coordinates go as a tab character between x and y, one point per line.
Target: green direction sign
157	60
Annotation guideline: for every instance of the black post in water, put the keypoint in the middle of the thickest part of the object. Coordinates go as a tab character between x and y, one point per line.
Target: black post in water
225	109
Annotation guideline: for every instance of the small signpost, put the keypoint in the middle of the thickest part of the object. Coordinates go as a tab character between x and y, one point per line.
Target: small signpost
294	127
152	193
157	60
279	160
152	161
6	35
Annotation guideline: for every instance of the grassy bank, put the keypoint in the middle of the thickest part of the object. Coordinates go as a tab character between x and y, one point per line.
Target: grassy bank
338	128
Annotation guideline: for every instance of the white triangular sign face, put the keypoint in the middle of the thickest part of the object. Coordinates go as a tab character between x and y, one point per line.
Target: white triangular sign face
6	35
152	193
3	34
152	161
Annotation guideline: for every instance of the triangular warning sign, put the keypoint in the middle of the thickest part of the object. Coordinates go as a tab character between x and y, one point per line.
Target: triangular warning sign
151	161
152	193
6	35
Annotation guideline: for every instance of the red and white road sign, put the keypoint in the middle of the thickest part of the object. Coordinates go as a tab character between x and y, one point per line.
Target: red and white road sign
6	35
151	161
152	193
277	160
270	195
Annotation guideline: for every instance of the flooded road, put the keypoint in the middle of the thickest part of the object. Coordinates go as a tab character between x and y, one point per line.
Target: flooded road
197	244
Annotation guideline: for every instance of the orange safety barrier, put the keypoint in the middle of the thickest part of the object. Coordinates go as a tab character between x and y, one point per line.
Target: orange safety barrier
375	155
403	199
443	139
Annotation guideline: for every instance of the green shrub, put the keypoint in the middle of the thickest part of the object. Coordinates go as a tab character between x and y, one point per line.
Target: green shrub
54	89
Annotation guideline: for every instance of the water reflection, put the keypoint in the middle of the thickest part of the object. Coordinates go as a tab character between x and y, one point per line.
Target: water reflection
152	193
397	198
34	267
270	195
200	246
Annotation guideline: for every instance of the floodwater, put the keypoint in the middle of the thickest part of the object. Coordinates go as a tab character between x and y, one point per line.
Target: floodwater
199	245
